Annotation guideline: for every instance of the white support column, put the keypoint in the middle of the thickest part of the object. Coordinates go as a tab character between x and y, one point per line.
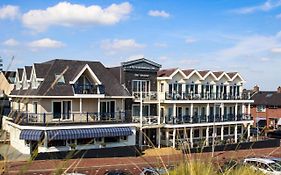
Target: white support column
208	111
174	112
207	136
248	131
159	137
249	109
243	108
174	138
159	113
222	132
80	106
235	111
167	137
235	133
222	111
191	137
191	112
98	109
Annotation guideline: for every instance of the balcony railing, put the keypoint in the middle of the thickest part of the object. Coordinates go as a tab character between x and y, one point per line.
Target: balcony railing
88	89
68	118
185	119
204	96
146	95
146	119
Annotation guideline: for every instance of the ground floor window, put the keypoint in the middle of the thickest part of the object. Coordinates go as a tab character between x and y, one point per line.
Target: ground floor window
85	141
123	138
56	143
111	139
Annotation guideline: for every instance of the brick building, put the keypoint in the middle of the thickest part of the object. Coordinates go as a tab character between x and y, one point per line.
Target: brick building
266	109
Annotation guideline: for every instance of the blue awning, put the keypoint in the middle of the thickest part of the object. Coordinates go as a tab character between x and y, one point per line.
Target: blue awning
83	133
30	134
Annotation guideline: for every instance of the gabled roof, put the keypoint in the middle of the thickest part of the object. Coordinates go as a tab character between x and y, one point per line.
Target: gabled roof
187	72
10	76
268	98
231	74
135	61
218	74
166	72
20	73
41	70
28	71
203	72
69	68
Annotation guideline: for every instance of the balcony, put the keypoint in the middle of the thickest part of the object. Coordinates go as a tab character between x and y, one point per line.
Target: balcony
186	119
146	120
146	96
88	89
204	96
68	118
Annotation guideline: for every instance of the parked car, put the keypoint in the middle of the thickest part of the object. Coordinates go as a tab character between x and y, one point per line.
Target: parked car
117	172
275	159
274	134
264	165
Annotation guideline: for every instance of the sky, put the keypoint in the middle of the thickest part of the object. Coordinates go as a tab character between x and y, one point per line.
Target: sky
229	35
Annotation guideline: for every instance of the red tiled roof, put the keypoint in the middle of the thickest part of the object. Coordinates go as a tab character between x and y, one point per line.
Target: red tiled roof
187	71
218	74
203	72
165	72
231	74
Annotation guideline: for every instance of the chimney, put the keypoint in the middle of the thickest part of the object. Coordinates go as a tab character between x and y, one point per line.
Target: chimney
257	88
279	89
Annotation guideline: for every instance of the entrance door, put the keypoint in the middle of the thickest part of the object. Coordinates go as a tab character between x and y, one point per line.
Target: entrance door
107	109
62	110
66	110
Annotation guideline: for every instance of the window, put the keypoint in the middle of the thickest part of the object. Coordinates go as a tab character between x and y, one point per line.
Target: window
60	79
261	108
162	87
56	143
27	143
111	139
62	110
141	86
136	110
85	141
123	138
107	108
35	107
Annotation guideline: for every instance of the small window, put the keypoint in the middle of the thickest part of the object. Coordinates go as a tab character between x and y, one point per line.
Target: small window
111	139
56	143
261	108
162	87
60	79
85	141
123	138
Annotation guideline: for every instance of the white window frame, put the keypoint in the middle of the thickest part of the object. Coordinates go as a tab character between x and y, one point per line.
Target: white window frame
261	108
61	117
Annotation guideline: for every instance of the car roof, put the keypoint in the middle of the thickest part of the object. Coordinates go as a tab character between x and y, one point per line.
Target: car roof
262	160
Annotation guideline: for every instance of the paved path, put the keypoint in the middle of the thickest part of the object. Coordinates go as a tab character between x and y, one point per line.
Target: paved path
131	164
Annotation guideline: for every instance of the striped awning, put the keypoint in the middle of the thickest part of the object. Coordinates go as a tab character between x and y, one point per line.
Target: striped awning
83	133
31	134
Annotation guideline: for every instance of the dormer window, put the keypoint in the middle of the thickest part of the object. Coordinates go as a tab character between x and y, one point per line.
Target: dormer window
60	79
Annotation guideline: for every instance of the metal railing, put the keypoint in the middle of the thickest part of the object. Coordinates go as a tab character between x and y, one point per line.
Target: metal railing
68	118
146	95
204	96
206	119
88	89
146	119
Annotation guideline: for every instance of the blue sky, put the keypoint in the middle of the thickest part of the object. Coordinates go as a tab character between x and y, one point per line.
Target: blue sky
227	35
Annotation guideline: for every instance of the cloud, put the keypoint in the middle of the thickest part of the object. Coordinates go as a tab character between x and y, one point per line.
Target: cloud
249	46
160	45
276	50
11	42
67	14
117	45
134	57
9	12
266	6
265	59
157	13
46	43
190	40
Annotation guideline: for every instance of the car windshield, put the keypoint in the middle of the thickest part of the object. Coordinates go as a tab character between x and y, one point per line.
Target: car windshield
275	166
